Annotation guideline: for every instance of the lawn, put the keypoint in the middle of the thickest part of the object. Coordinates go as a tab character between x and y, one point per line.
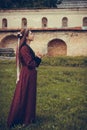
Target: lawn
61	97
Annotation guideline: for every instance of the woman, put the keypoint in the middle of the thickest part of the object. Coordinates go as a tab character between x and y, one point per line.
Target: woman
23	107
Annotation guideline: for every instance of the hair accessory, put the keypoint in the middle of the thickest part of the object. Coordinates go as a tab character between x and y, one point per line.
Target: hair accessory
19	35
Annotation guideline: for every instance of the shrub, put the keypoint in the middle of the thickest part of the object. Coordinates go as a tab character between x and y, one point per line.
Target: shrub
79	61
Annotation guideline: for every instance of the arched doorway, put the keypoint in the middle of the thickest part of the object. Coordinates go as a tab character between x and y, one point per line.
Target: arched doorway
57	47
9	42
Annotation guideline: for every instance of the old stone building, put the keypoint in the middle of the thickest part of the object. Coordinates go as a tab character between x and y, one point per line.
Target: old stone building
61	31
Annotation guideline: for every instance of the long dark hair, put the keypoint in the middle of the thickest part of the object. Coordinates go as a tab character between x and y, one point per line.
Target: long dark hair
22	36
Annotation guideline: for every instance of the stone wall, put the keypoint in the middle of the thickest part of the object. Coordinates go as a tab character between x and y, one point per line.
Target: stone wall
69	43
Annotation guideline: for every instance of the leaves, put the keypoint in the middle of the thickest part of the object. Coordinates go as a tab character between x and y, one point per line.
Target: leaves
6	4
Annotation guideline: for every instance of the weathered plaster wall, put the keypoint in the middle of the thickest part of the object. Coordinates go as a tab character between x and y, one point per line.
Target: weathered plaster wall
76	42
34	17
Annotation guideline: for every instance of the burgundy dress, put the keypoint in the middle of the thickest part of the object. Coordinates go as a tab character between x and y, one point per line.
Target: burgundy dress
23	107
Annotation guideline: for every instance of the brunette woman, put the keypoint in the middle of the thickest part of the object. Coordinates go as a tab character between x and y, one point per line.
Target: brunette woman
23	107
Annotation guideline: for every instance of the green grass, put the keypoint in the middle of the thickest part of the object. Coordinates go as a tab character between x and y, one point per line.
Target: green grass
61	97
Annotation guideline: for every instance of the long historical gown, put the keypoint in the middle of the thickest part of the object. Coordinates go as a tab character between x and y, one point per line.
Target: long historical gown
23	107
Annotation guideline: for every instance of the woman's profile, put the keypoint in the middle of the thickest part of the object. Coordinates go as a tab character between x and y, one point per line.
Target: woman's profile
23	106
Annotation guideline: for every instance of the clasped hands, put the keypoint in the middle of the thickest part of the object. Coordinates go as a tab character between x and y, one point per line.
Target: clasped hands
38	54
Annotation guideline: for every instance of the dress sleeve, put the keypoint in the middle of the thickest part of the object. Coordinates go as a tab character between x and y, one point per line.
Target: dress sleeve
28	58
37	60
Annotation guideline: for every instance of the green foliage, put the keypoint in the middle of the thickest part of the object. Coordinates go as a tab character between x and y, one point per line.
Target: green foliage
7	4
61	97
65	61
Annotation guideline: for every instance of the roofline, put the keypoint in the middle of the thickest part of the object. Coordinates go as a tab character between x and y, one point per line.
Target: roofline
37	9
44	29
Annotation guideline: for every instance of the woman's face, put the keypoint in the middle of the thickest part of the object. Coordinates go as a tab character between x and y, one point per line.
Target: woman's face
30	37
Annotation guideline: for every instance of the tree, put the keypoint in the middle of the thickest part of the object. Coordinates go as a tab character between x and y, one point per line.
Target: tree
5	3
50	3
8	4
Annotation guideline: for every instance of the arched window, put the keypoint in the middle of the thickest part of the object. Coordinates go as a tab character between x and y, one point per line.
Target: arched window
65	22
44	22
24	22
4	23
85	21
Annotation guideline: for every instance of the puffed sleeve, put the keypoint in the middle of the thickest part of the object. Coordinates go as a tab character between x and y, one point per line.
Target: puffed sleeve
28	59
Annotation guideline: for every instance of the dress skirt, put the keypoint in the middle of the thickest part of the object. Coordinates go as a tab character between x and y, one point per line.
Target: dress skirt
23	106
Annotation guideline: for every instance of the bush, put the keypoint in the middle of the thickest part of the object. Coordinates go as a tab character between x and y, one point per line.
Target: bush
65	61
